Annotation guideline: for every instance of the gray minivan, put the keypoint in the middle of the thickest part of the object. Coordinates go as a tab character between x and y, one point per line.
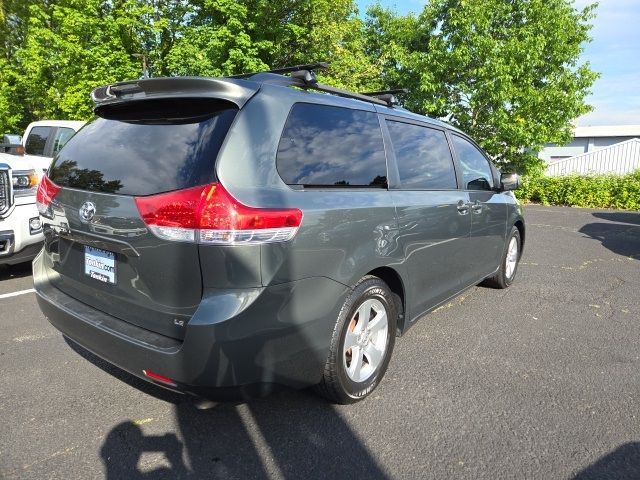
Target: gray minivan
223	236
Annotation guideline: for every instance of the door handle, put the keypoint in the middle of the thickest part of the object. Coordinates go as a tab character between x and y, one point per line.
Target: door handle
463	208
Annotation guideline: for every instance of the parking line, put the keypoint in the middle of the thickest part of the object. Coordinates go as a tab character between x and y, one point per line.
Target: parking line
15	294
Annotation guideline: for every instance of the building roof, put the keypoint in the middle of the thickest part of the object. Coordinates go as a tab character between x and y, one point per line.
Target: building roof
607	131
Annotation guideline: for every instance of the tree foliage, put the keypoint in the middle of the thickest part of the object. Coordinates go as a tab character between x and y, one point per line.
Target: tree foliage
505	71
52	53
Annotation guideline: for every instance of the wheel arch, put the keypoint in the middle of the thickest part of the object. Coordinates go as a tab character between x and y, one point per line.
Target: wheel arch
519	224
394	281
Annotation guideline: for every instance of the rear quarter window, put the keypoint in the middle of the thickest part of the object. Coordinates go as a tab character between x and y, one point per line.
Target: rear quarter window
323	145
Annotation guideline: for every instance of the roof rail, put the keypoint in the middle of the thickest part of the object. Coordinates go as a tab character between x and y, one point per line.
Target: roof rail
303	76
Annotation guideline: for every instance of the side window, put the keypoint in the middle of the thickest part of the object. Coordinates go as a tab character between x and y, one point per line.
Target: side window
423	157
323	145
36	140
476	172
62	136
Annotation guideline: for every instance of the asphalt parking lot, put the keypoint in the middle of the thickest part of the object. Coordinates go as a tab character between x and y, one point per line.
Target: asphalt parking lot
538	381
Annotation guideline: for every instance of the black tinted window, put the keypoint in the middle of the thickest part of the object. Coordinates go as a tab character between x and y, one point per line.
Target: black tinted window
162	152
476	172
37	140
323	145
423	157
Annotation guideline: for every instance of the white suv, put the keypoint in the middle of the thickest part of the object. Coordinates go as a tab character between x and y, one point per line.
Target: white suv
20	228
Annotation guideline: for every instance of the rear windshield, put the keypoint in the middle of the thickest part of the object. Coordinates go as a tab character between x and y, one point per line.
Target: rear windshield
144	149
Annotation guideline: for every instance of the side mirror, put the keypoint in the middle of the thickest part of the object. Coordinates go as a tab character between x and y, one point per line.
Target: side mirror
509	181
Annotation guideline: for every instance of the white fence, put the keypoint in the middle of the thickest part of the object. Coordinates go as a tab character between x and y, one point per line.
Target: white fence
621	158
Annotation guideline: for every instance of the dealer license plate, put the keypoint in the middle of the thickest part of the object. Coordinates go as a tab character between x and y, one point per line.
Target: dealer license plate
100	264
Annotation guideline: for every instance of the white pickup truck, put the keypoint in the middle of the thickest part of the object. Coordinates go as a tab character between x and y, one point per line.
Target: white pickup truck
43	140
20	228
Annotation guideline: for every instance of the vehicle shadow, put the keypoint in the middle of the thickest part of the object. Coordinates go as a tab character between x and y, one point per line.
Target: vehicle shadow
620	217
620	238
286	435
290	434
15	271
621	464
123	448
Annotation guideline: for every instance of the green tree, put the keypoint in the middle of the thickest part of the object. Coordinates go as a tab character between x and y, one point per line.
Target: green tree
217	41
226	37
14	17
302	31
53	53
152	27
508	72
72	46
10	111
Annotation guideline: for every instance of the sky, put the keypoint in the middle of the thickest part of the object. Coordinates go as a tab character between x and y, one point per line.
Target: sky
614	53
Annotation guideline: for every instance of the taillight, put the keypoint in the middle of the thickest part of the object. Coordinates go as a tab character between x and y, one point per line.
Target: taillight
209	214
47	190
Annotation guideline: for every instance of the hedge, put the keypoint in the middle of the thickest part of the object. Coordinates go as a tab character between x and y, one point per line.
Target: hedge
594	191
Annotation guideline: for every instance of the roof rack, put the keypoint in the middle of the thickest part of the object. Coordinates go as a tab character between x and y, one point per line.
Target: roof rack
388	96
303	76
283	70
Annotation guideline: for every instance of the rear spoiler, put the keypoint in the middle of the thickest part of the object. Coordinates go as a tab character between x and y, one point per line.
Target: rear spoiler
235	91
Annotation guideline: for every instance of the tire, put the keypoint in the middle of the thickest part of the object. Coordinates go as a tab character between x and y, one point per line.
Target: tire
508	269
343	380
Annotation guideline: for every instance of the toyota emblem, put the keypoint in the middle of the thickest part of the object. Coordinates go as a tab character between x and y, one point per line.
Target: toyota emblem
87	211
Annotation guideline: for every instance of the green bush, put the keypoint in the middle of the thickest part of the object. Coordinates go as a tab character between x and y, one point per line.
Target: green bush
594	191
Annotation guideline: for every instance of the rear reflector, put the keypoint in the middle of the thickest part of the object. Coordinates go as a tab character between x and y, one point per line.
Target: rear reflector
210	215
47	190
159	378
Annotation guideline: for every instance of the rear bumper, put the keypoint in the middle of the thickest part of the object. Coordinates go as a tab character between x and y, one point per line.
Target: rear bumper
238	343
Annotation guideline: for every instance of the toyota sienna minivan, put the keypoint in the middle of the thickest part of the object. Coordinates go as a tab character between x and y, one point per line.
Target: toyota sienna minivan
224	236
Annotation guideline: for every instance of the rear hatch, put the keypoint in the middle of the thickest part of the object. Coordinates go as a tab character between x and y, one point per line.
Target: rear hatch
98	248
